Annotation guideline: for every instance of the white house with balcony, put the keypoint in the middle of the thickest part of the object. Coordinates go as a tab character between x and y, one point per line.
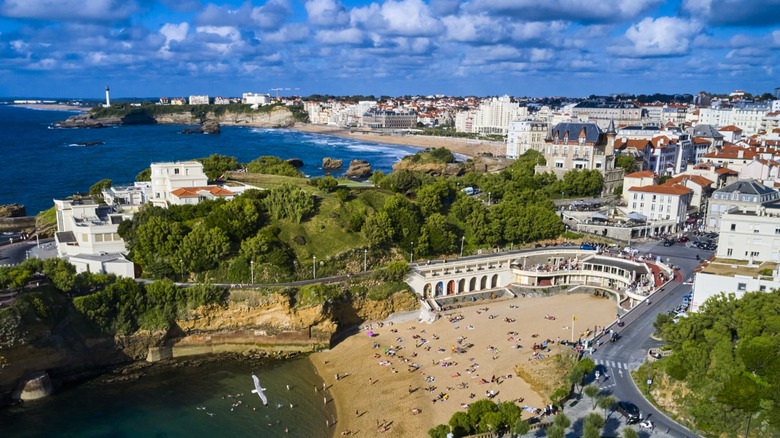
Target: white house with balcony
87	230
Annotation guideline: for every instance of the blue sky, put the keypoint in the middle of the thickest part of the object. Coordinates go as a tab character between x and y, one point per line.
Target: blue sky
145	48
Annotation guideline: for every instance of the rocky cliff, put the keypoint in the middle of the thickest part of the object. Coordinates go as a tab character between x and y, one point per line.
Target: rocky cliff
250	321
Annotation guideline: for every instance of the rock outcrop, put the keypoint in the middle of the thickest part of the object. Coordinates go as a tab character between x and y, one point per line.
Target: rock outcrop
358	169
278	117
36	387
12	210
211	127
435	169
330	163
295	162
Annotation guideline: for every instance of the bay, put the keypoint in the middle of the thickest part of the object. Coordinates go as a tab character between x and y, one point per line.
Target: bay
182	402
40	164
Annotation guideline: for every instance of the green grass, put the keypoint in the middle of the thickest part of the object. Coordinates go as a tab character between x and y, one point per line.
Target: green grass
265	181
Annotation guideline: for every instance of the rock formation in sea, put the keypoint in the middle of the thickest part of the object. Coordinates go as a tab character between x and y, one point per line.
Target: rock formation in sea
295	162
278	117
12	210
211	126
358	169
330	163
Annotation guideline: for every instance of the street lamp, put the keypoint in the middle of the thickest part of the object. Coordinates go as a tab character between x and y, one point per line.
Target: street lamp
489	193
181	266
411	253
252	268
649	382
314	266
365	259
462	239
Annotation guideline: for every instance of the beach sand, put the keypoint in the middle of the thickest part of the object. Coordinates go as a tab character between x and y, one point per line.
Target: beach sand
376	389
470	148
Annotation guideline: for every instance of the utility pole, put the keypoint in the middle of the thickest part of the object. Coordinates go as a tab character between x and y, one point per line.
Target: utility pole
365	259
462	239
314	266
252	267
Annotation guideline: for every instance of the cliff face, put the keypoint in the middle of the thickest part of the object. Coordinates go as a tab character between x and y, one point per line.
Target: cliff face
250	321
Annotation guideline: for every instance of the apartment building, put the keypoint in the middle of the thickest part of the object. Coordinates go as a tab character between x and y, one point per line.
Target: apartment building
604	113
745	195
87	235
493	116
199	100
389	120
524	135
665	206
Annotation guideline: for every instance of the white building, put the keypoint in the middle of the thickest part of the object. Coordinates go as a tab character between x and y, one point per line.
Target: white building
525	135
746	195
666	206
733	276
255	99
128	198
493	116
199	100
86	229
183	182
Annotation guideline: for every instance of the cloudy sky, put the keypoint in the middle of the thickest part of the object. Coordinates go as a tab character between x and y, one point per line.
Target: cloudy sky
73	48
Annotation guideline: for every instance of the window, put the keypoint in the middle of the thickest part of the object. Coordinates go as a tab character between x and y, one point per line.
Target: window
754	254
733	227
762	288
559	165
729	252
741	286
777	230
176	171
755	230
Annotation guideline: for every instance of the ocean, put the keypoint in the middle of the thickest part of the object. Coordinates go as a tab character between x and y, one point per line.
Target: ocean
42	164
195	401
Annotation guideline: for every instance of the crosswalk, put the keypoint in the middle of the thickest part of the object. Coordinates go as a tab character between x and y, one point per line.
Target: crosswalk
612	364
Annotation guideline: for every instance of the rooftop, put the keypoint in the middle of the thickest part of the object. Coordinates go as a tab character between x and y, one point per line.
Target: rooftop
731	267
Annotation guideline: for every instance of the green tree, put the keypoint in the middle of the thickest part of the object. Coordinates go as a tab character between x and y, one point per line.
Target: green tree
592	391
626	162
61	272
440	431
630	433
521	427
558	395
216	165
203	248
461	424
327	184
157	240
555	432
605	402
287	201
436	236
144	175
562	420
272	166
378	228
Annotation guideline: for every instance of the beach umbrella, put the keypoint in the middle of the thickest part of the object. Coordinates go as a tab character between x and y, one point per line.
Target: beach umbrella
370	334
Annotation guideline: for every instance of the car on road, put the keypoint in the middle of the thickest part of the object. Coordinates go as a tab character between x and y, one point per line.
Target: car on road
668	243
587	247
629	411
682	239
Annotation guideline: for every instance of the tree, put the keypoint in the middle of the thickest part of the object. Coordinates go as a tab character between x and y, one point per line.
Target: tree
521	427
272	166
592	391
627	162
287	201
203	248
562	420
216	165
440	431
378	228
555	432
327	184
460	423
61	272
630	433
558	395
605	402
144	175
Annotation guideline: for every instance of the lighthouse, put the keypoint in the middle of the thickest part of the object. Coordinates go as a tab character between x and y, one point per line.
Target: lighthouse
108	99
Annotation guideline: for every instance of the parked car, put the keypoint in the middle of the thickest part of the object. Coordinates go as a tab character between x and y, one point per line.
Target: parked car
668	243
629	411
682	239
587	247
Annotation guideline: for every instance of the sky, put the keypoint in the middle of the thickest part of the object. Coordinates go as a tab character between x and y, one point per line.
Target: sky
149	48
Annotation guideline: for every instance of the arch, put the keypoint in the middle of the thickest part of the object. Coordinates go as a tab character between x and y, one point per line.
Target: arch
494	281
483	282
427	291
461	285
439	289
450	287
473	284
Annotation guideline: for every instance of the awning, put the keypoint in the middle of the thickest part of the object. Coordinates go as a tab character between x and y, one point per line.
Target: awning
599	216
634	216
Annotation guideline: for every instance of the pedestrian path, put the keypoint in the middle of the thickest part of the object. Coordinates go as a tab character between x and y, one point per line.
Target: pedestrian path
612	364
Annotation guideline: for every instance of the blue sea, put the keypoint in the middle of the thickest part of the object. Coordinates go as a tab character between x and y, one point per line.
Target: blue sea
40	164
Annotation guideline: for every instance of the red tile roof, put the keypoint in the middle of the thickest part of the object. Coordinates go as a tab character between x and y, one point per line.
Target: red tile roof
730	128
193	192
641	174
671	189
697	179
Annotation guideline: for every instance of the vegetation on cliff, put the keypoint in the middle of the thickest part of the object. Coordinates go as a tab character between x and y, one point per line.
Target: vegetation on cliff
197	111
725	366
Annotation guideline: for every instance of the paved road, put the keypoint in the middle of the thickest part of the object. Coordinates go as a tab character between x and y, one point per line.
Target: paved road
616	360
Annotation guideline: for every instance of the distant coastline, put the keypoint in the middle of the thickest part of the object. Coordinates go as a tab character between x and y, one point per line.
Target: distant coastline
51	106
467	147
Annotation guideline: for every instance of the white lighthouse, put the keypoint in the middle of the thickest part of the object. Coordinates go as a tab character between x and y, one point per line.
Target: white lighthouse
108	98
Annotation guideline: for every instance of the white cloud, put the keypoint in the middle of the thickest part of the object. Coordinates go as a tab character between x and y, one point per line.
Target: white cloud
291	33
402	18
69	10
172	32
326	13
272	14
344	36
662	36
473	28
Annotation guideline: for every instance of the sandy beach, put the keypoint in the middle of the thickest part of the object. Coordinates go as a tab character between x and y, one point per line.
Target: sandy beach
470	148
384	379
